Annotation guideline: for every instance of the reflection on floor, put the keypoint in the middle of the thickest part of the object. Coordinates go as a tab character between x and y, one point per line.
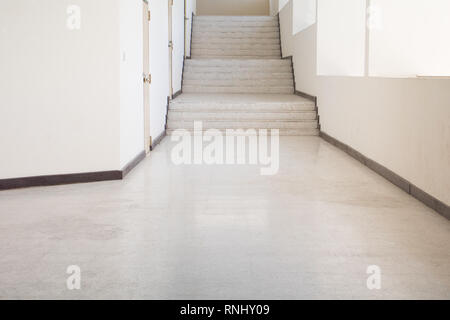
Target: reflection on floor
210	232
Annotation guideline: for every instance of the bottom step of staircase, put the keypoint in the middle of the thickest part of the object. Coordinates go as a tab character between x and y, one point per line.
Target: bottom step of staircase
290	114
245	132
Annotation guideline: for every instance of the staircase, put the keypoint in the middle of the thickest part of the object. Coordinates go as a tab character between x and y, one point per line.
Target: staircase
236	79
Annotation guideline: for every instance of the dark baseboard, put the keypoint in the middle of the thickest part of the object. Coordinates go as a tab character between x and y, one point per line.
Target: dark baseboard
132	164
306	96
303	94
167	113
279	32
73	178
59	179
391	176
192	31
176	94
157	140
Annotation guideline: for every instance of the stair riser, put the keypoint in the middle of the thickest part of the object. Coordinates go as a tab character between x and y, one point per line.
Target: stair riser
237	76
240	29
282	132
221	70
236	52
250	42
239	83
235	46
238	63
240	116
236	24
212	107
235	18
206	36
233	57
174	124
277	90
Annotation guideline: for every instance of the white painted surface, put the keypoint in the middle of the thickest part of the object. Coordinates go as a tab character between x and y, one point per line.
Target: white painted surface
59	101
401	123
159	66
304	14
341	37
422	33
131	84
274	7
191	8
178	43
282	4
233	7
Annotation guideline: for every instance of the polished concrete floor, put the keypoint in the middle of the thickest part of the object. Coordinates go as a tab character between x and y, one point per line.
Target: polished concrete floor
226	232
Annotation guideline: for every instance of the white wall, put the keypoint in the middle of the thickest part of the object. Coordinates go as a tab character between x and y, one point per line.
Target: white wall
191	8
72	100
282	4
178	43
59	101
233	7
422	32
131	84
401	123
274	7
159	66
341	37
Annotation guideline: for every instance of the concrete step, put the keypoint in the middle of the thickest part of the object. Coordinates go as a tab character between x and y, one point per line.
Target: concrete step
252	89
241	24
237	69
234	28
236	18
238	82
231	41
252	57
241	103
241	116
248	124
235	46
206	35
238	75
238	63
237	66
235	24
238	53
282	132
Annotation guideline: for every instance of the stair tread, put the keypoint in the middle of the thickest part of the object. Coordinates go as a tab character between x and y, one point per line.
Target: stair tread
240	98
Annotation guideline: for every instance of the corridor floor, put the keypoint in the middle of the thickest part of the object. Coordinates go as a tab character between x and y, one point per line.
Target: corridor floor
226	232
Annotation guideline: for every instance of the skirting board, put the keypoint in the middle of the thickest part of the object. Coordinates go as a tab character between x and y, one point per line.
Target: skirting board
60	179
394	178
311	98
176	94
157	140
306	96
